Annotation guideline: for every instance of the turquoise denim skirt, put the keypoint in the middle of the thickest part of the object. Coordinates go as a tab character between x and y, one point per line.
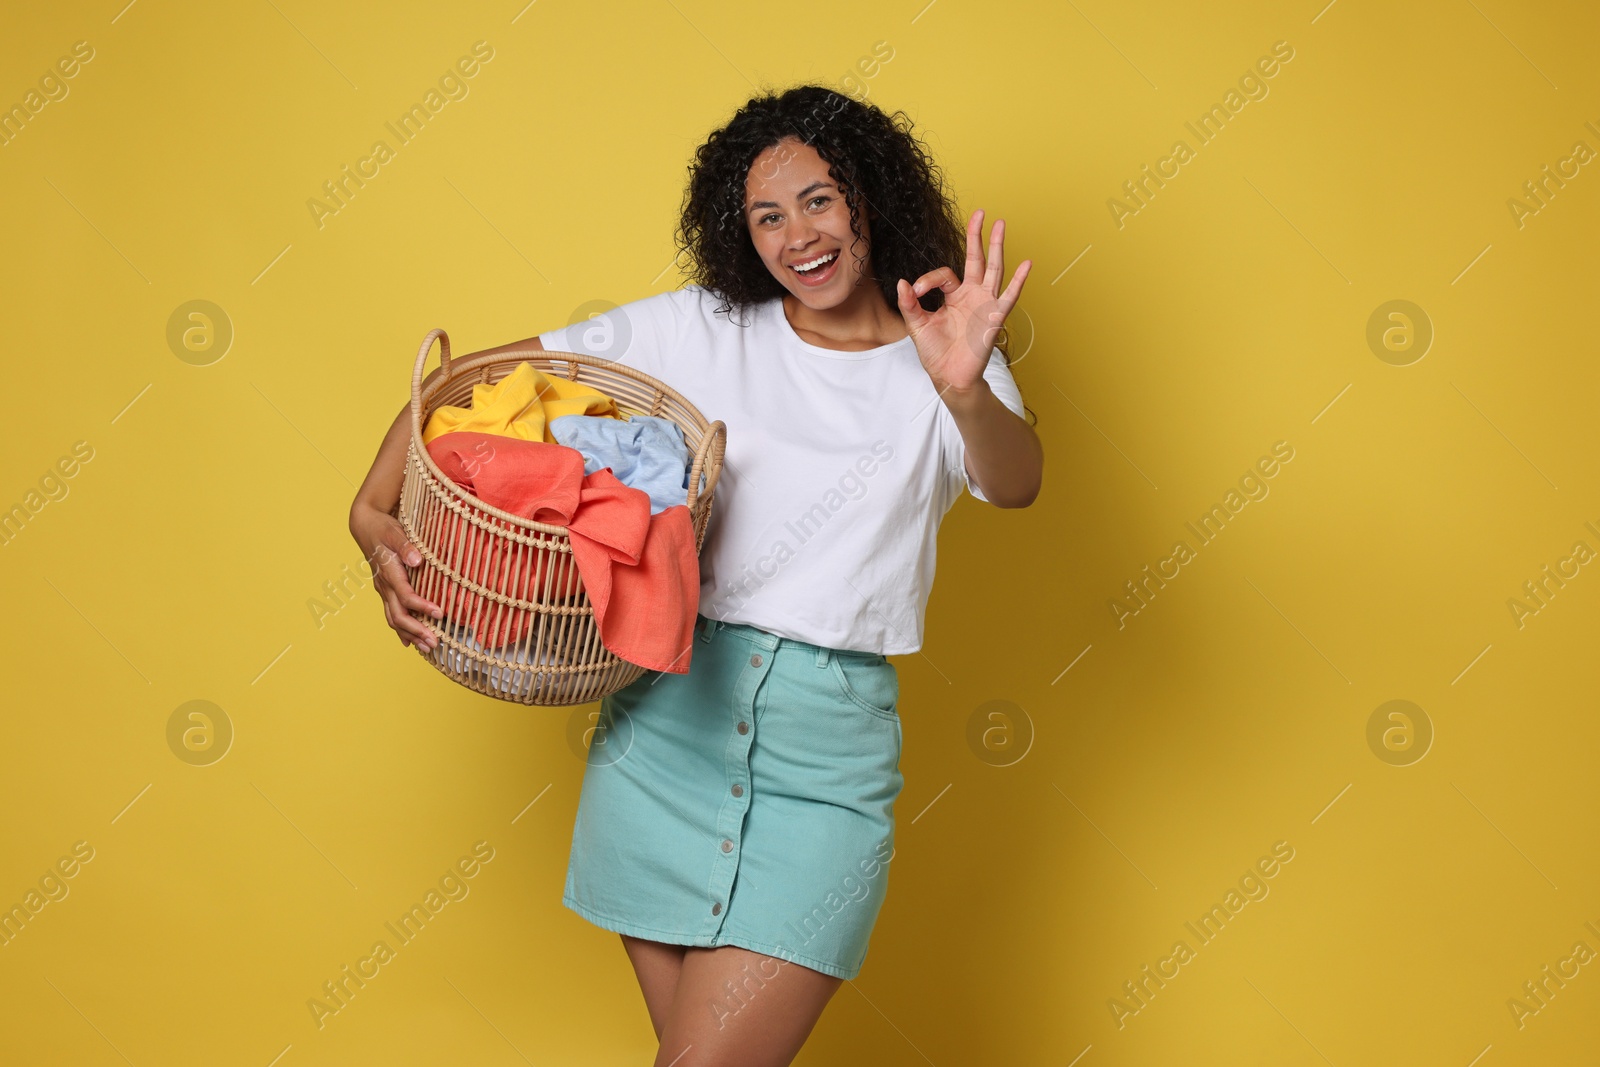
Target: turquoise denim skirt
748	802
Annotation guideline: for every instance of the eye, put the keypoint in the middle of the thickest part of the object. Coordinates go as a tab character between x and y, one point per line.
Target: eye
824	199
764	218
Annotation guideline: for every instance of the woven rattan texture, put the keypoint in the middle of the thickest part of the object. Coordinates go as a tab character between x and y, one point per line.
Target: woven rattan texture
475	556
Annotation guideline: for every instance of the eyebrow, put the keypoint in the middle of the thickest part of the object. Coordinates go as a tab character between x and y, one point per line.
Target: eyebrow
801	195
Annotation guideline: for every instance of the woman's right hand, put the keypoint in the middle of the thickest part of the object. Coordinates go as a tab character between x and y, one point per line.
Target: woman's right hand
384	545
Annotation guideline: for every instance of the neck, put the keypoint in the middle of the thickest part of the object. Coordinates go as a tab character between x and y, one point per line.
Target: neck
861	321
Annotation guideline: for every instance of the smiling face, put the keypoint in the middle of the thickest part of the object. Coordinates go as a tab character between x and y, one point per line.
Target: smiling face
798	217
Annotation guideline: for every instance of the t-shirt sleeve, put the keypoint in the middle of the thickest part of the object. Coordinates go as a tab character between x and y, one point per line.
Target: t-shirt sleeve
641	334
998	374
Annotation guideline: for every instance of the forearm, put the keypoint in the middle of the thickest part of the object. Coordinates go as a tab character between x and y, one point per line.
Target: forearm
1004	455
381	489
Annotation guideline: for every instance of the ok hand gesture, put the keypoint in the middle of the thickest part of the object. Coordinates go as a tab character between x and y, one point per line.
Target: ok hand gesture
953	343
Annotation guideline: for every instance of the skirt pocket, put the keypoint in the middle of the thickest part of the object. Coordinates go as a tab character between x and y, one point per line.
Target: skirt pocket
869	681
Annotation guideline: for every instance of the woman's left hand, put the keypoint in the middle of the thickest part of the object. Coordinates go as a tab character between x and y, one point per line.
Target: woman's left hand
953	342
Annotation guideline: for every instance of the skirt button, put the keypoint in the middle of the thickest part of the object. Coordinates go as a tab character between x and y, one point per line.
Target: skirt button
738	790
716	909
744	728
755	660
727	846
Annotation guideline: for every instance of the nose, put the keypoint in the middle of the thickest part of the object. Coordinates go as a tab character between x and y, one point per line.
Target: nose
800	233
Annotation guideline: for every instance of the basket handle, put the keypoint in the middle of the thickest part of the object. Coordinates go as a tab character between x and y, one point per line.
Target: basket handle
416	375
716	435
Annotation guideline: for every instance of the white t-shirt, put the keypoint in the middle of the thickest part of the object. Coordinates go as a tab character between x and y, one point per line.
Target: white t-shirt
838	470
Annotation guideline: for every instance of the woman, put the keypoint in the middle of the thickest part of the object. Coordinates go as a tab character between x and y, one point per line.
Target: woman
739	833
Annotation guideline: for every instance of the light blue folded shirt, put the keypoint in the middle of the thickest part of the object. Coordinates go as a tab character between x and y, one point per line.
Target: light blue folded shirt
646	452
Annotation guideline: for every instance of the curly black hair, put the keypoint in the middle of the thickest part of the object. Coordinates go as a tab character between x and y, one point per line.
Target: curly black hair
880	166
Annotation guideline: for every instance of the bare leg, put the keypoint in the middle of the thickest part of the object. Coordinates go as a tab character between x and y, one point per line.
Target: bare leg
737	1008
657	964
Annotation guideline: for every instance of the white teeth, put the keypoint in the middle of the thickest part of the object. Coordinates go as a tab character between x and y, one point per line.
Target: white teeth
825	258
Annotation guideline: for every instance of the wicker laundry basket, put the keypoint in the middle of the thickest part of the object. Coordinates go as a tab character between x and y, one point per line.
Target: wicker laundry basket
477	558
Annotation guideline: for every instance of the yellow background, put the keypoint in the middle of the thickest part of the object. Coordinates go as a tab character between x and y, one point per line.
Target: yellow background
1229	714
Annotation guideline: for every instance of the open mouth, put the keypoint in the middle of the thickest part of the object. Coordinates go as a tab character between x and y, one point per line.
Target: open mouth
817	269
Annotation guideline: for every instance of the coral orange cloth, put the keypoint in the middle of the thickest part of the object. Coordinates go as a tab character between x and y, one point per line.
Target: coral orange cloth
641	571
520	405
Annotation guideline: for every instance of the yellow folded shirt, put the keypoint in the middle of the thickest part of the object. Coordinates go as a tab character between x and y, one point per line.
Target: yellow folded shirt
521	405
